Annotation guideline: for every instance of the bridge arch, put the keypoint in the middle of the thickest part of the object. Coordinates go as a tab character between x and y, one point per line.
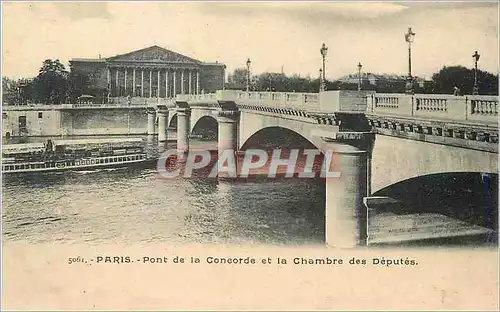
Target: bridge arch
250	125
207	126
199	113
467	196
172	120
397	159
277	137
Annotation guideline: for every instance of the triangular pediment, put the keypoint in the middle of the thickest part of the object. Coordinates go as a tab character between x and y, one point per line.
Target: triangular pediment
154	54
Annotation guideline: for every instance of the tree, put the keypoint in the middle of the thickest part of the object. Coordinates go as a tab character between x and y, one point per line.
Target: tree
51	86
239	76
17	92
448	77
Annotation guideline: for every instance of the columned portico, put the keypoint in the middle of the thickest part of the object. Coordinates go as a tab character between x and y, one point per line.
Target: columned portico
153	64
118	78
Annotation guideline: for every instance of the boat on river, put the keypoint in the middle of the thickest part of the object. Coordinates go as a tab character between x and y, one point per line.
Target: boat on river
60	155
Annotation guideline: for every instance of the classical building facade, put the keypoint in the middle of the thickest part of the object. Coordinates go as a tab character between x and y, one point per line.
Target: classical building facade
151	72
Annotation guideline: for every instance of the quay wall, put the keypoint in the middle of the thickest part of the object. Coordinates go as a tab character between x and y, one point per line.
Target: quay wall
47	120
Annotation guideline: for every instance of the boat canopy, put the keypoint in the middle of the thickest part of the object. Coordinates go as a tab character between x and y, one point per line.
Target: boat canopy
9	149
96	143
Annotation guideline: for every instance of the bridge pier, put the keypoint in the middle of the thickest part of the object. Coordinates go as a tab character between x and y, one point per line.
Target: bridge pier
228	125
151	122
162	123
183	115
345	215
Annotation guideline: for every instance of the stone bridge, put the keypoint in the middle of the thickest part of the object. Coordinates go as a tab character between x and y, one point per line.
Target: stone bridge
379	139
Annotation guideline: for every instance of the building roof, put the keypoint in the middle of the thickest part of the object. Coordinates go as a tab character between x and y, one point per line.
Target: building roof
213	64
150	54
156	54
87	60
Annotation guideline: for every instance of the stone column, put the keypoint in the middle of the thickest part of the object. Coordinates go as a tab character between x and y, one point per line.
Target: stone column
142	82
117	83
151	122
126	81
158	83
173	95
345	215
150	82
134	93
162	123
109	79
182	81
190	91
183	116
166	83
197	82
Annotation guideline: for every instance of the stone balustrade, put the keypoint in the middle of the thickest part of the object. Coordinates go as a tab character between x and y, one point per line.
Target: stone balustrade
289	100
476	108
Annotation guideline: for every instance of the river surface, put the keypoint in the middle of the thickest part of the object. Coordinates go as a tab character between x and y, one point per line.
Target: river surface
131	206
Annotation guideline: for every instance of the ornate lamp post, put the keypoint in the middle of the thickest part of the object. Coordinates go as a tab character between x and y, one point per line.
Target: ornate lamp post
248	74
409	37
359	76
475	89
323	50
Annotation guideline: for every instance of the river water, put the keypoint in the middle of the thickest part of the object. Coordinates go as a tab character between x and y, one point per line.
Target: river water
132	206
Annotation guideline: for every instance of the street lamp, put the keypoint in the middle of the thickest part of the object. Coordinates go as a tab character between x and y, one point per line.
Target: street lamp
409	37
359	76
475	90
248	74
323	51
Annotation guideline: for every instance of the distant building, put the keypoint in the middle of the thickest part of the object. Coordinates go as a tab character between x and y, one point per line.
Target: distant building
150	72
376	79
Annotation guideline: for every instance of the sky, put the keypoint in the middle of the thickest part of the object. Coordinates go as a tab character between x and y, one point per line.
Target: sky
274	35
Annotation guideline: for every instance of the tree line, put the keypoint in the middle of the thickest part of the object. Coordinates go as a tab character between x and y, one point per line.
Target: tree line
443	82
55	85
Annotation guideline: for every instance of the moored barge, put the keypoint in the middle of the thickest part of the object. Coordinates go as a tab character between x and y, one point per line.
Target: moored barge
60	155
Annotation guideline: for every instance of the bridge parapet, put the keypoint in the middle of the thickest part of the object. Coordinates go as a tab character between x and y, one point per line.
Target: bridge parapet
475	108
